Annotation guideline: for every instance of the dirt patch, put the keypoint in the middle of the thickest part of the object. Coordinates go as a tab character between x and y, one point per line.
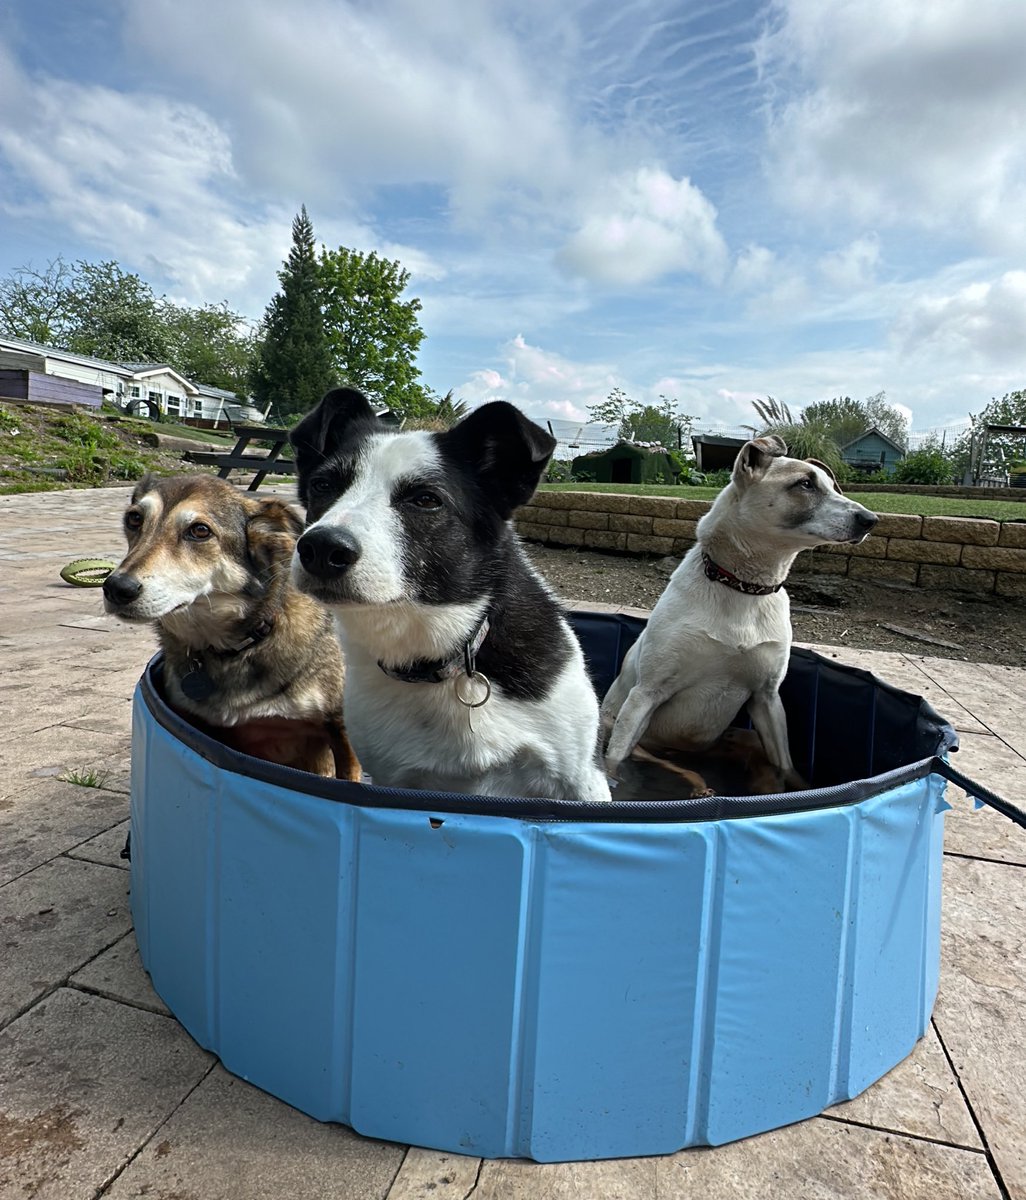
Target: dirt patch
825	609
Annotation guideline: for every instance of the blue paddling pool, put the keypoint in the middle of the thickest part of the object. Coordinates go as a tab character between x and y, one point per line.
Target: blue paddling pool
552	979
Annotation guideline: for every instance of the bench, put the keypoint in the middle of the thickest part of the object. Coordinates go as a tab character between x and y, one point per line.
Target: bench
238	459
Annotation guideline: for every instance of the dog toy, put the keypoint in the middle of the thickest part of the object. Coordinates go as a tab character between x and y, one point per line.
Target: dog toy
87	572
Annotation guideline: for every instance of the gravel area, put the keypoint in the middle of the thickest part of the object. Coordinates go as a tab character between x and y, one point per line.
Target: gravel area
824	609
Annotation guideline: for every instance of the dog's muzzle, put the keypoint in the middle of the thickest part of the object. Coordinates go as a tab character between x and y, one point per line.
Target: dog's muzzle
327	553
863	523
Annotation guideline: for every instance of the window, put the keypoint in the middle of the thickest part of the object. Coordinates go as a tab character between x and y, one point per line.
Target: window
134	391
174	404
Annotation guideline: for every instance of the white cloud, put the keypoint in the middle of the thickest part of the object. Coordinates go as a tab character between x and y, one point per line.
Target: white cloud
904	113
647	225
853	266
981	323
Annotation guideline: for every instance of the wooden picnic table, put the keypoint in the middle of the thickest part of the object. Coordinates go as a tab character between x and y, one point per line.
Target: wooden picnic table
269	464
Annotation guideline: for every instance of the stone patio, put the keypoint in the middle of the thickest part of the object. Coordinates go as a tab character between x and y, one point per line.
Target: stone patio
103	1093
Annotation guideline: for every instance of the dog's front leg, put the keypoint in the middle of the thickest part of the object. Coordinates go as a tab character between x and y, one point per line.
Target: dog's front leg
632	721
770	721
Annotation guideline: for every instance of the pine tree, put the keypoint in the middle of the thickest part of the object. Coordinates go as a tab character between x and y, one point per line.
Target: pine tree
293	366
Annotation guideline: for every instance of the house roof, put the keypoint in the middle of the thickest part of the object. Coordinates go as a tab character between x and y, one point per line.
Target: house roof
142	370
714	439
880	434
38	348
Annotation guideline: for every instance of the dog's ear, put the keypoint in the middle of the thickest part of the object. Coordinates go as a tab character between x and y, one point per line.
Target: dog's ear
754	458
823	467
505	450
325	428
272	527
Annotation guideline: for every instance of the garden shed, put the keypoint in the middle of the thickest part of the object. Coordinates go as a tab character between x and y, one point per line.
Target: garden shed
872	451
715	452
626	462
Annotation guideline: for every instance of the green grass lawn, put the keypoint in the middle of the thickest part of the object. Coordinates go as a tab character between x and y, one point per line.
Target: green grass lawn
884	502
173	429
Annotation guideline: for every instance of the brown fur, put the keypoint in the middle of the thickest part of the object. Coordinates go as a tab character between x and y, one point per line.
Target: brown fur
211	567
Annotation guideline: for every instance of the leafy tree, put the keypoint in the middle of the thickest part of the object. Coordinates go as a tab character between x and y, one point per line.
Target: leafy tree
1002	449
373	334
639	422
844	418
292	367
36	305
116	316
211	345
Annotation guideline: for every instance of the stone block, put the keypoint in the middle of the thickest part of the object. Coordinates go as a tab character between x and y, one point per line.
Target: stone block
606	502
605	539
692	510
956	579
653	506
1011	585
820	564
544	499
668	527
565	537
883	568
968	531
998	558
639	543
1013	533
919	550
581	519
897	525
629	523
534	515
682	545
534	533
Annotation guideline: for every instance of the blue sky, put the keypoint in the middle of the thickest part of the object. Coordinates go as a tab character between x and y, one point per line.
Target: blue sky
708	201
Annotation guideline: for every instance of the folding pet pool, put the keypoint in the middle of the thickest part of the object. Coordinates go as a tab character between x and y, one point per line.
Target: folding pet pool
549	979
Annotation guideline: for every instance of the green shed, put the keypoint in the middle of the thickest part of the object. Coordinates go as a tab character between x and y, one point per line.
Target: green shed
626	462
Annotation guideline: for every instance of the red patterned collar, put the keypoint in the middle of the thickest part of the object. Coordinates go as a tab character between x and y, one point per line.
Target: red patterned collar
719	574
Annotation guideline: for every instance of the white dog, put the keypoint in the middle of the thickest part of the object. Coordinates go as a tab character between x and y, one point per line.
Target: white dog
462	673
720	635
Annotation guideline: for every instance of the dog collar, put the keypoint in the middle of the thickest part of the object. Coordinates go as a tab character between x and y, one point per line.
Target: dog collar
197	683
426	670
720	574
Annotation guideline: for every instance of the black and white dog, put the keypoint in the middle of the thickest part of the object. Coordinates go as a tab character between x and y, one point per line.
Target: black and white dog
462	674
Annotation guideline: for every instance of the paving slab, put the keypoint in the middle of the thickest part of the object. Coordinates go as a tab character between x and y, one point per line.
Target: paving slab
52	922
84	1083
981	1010
432	1175
46	817
106	847
228	1140
920	1096
118	974
817	1160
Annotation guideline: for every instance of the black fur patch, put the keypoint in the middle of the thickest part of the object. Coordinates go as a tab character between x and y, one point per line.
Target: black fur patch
463	549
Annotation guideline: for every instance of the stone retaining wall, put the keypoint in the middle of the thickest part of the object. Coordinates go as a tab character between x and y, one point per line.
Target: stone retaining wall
952	553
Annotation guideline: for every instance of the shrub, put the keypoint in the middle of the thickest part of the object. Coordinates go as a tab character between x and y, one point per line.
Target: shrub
928	465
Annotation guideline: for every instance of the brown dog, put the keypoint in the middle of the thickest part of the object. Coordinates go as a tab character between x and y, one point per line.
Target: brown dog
247	657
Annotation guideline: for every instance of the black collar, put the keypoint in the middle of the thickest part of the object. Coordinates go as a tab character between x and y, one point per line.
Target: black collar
720	574
197	683
426	670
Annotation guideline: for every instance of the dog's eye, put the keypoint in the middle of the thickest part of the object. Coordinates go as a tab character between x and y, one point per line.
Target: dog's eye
133	520
807	484
425	500
320	486
198	531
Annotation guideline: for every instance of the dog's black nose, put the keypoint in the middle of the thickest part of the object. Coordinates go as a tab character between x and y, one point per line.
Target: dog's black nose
866	519
120	588
325	551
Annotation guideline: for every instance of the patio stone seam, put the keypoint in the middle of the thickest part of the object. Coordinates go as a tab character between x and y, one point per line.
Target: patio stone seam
118	999
995	1170
477	1179
998	862
905	1133
119	1171
63	982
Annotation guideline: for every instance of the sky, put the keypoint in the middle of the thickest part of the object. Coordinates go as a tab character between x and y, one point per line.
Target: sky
713	202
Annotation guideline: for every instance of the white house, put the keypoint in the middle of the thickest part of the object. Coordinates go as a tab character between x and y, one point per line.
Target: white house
138	386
